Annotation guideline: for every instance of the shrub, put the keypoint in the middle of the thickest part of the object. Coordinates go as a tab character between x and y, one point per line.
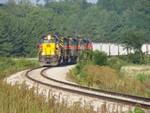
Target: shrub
93	57
116	63
147	59
136	58
99	58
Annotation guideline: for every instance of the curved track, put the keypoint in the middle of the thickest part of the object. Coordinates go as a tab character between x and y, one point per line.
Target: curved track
91	92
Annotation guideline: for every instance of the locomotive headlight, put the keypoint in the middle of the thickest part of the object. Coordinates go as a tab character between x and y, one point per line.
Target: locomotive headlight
49	37
52	53
43	53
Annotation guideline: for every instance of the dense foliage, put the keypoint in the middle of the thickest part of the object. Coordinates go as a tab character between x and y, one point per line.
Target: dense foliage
22	23
95	57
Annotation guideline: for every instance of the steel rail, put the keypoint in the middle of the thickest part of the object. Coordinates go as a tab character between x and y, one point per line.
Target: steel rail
93	95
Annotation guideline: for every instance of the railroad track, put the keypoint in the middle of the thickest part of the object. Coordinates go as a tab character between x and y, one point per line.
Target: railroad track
91	92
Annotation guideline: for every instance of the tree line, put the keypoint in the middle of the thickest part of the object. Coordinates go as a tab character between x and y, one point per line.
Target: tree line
22	23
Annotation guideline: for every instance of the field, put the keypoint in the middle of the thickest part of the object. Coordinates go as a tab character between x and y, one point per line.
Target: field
141	72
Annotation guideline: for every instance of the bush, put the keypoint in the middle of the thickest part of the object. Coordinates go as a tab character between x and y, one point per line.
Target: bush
99	58
116	63
147	59
93	57
86	57
136	58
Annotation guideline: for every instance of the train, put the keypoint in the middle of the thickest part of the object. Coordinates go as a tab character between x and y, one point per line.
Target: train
54	50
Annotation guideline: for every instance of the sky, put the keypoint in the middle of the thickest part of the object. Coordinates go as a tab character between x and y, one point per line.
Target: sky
92	1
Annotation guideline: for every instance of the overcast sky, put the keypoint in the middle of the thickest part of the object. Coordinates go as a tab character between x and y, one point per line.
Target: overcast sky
93	1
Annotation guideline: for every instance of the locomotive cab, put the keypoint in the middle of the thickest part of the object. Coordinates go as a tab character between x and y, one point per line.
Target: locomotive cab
48	50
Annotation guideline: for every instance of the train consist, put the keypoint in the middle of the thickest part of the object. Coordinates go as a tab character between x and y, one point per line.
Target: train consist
54	50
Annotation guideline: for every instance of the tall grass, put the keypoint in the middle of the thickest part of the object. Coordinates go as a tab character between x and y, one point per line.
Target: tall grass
11	65
20	99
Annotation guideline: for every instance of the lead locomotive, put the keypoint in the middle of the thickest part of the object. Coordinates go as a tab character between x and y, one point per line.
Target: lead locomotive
54	50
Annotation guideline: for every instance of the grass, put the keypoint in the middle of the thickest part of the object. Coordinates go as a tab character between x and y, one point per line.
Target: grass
135	70
9	66
20	99
143	77
138	72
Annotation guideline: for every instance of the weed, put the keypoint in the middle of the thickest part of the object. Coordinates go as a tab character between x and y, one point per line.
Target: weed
143	77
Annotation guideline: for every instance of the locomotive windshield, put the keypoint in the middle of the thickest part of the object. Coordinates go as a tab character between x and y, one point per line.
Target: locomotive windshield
51	39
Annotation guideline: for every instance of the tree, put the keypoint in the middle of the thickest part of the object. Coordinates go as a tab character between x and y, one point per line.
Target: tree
22	23
133	40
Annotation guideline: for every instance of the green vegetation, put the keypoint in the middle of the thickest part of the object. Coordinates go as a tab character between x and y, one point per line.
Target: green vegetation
117	21
137	110
143	77
116	63
108	74
95	57
9	66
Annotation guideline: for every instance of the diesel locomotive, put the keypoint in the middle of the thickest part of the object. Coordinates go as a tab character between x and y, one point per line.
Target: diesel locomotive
54	50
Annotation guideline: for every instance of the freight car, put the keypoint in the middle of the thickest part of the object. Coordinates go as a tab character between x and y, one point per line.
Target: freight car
54	50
